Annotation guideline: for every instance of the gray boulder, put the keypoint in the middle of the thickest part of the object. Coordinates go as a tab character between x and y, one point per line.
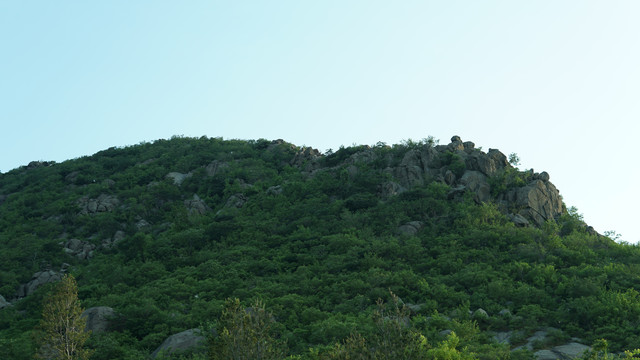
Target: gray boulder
178	178
81	249
410	229
103	203
216	167
519	220
98	318
546	355
196	206
539	200
187	340
478	183
4	303
571	350
38	279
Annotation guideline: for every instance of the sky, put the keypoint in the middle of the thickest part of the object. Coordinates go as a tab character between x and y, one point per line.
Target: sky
555	81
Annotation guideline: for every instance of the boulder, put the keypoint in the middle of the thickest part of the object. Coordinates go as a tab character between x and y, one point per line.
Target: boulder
410	229
177	177
81	249
98	318
196	206
478	183
103	203
519	220
187	340
392	188
274	190
236	201
305	159
546	355
572	350
4	303
539	200
38	279
216	167
480	314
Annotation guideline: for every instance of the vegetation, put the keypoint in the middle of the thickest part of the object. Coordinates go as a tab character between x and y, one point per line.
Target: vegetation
62	328
311	246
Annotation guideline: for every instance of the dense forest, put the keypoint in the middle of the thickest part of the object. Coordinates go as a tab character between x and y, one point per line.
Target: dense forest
443	251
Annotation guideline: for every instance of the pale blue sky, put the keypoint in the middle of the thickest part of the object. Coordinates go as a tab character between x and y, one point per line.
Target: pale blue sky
557	82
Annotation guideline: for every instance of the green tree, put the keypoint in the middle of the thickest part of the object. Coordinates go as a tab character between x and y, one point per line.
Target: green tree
62	328
247	334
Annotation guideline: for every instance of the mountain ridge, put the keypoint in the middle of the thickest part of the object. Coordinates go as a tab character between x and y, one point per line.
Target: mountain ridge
444	226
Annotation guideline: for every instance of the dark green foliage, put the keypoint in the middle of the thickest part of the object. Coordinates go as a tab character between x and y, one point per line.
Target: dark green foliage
319	248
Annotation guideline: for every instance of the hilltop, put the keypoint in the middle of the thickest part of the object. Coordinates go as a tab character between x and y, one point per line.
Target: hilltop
160	234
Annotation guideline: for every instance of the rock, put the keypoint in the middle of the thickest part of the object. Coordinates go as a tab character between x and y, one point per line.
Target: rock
81	249
187	340
480	314
196	206
142	223
38	279
478	183
216	167
99	318
4	303
503	337
519	220
449	177
546	355
236	201
456	192
392	188
499	158
306	159
571	350
410	229
468	145
274	190
539	200
544	176
445	333
2	199
103	203
504	313
177	177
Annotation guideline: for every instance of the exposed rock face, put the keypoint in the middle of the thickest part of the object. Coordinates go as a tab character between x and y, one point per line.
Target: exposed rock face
113	241
80	249
38	279
98	318
539	200
306	159
104	203
465	168
4	303
216	167
177	177
187	340
196	206
411	228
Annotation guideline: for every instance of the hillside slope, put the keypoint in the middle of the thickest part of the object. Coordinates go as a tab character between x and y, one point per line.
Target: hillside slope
162	233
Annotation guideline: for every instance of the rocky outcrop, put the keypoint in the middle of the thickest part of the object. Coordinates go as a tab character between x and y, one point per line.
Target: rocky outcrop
80	249
114	240
410	229
38	279
99	319
3	303
178	178
188	340
306	159
538	200
103	203
196	206
467	169
216	167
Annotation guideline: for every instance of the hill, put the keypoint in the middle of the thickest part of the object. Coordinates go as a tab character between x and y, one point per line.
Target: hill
159	235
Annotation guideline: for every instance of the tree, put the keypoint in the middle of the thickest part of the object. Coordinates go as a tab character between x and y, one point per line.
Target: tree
62	328
247	334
